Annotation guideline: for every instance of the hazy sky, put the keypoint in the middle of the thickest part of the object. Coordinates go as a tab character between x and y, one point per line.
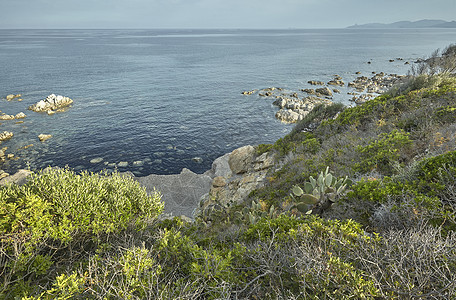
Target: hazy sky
216	13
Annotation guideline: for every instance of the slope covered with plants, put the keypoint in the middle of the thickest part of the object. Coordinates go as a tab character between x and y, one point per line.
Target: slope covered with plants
362	205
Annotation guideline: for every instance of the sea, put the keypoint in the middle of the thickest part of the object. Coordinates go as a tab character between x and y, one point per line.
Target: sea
156	101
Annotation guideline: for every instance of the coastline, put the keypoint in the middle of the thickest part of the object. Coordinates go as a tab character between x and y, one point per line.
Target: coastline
235	174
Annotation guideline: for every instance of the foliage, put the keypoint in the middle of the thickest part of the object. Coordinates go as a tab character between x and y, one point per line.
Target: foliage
58	211
382	152
319	193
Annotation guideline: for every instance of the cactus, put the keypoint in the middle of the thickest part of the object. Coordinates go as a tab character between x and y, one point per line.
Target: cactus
255	212
318	194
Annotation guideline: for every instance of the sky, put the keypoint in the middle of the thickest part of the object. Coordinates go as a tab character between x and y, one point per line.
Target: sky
267	14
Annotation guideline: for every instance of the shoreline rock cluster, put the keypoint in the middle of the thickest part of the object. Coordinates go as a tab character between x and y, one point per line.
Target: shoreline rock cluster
293	106
51	104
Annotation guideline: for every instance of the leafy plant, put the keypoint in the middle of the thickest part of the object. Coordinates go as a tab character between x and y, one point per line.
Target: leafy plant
320	193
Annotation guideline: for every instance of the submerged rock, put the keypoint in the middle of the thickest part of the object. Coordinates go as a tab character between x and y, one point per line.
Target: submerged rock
12	97
52	103
122	164
97	160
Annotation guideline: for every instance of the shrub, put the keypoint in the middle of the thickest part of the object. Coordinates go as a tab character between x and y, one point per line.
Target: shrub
382	152
60	213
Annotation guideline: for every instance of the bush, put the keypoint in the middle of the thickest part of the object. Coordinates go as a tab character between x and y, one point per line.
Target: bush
382	152
61	214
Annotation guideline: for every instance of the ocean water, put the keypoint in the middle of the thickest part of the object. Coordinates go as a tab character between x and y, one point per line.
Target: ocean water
162	100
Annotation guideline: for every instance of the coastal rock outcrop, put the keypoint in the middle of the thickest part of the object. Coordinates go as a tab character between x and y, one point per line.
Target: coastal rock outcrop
52	104
231	186
294	110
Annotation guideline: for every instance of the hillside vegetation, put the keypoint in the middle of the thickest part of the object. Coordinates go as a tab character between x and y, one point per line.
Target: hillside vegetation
362	205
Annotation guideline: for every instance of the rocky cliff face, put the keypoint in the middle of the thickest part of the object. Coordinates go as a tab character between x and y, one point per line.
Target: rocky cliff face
235	175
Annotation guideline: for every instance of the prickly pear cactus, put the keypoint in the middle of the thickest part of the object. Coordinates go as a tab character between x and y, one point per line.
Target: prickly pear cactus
318	194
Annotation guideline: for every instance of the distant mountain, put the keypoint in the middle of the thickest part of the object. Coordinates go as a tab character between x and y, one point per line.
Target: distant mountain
409	24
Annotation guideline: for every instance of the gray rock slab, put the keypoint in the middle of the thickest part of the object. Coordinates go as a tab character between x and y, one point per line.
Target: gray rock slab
181	193
19	178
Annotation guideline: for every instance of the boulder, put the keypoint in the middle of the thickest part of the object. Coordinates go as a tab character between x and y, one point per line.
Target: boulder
19	178
12	97
336	82
240	159
288	116
235	188
20	115
248	92
44	137
51	103
6	117
221	167
309	91
280	102
324	91
315	82
5	135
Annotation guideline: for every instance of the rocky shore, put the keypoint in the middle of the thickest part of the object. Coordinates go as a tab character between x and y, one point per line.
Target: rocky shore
51	105
295	105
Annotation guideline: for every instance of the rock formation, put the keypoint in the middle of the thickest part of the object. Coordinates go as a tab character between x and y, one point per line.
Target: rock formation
235	175
5	135
51	104
44	137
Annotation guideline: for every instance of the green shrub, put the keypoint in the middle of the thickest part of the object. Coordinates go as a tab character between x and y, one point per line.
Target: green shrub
263	148
381	153
58	210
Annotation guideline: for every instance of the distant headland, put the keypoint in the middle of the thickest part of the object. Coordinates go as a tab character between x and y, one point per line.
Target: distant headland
408	24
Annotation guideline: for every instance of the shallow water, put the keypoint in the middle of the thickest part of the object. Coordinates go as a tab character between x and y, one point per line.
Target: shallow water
159	99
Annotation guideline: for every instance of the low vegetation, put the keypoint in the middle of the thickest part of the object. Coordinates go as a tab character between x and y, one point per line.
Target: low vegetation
362	205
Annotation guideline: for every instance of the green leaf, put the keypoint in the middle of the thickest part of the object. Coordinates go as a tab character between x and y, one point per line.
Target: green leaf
302	207
297	190
328	179
308	187
313	181
309	199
